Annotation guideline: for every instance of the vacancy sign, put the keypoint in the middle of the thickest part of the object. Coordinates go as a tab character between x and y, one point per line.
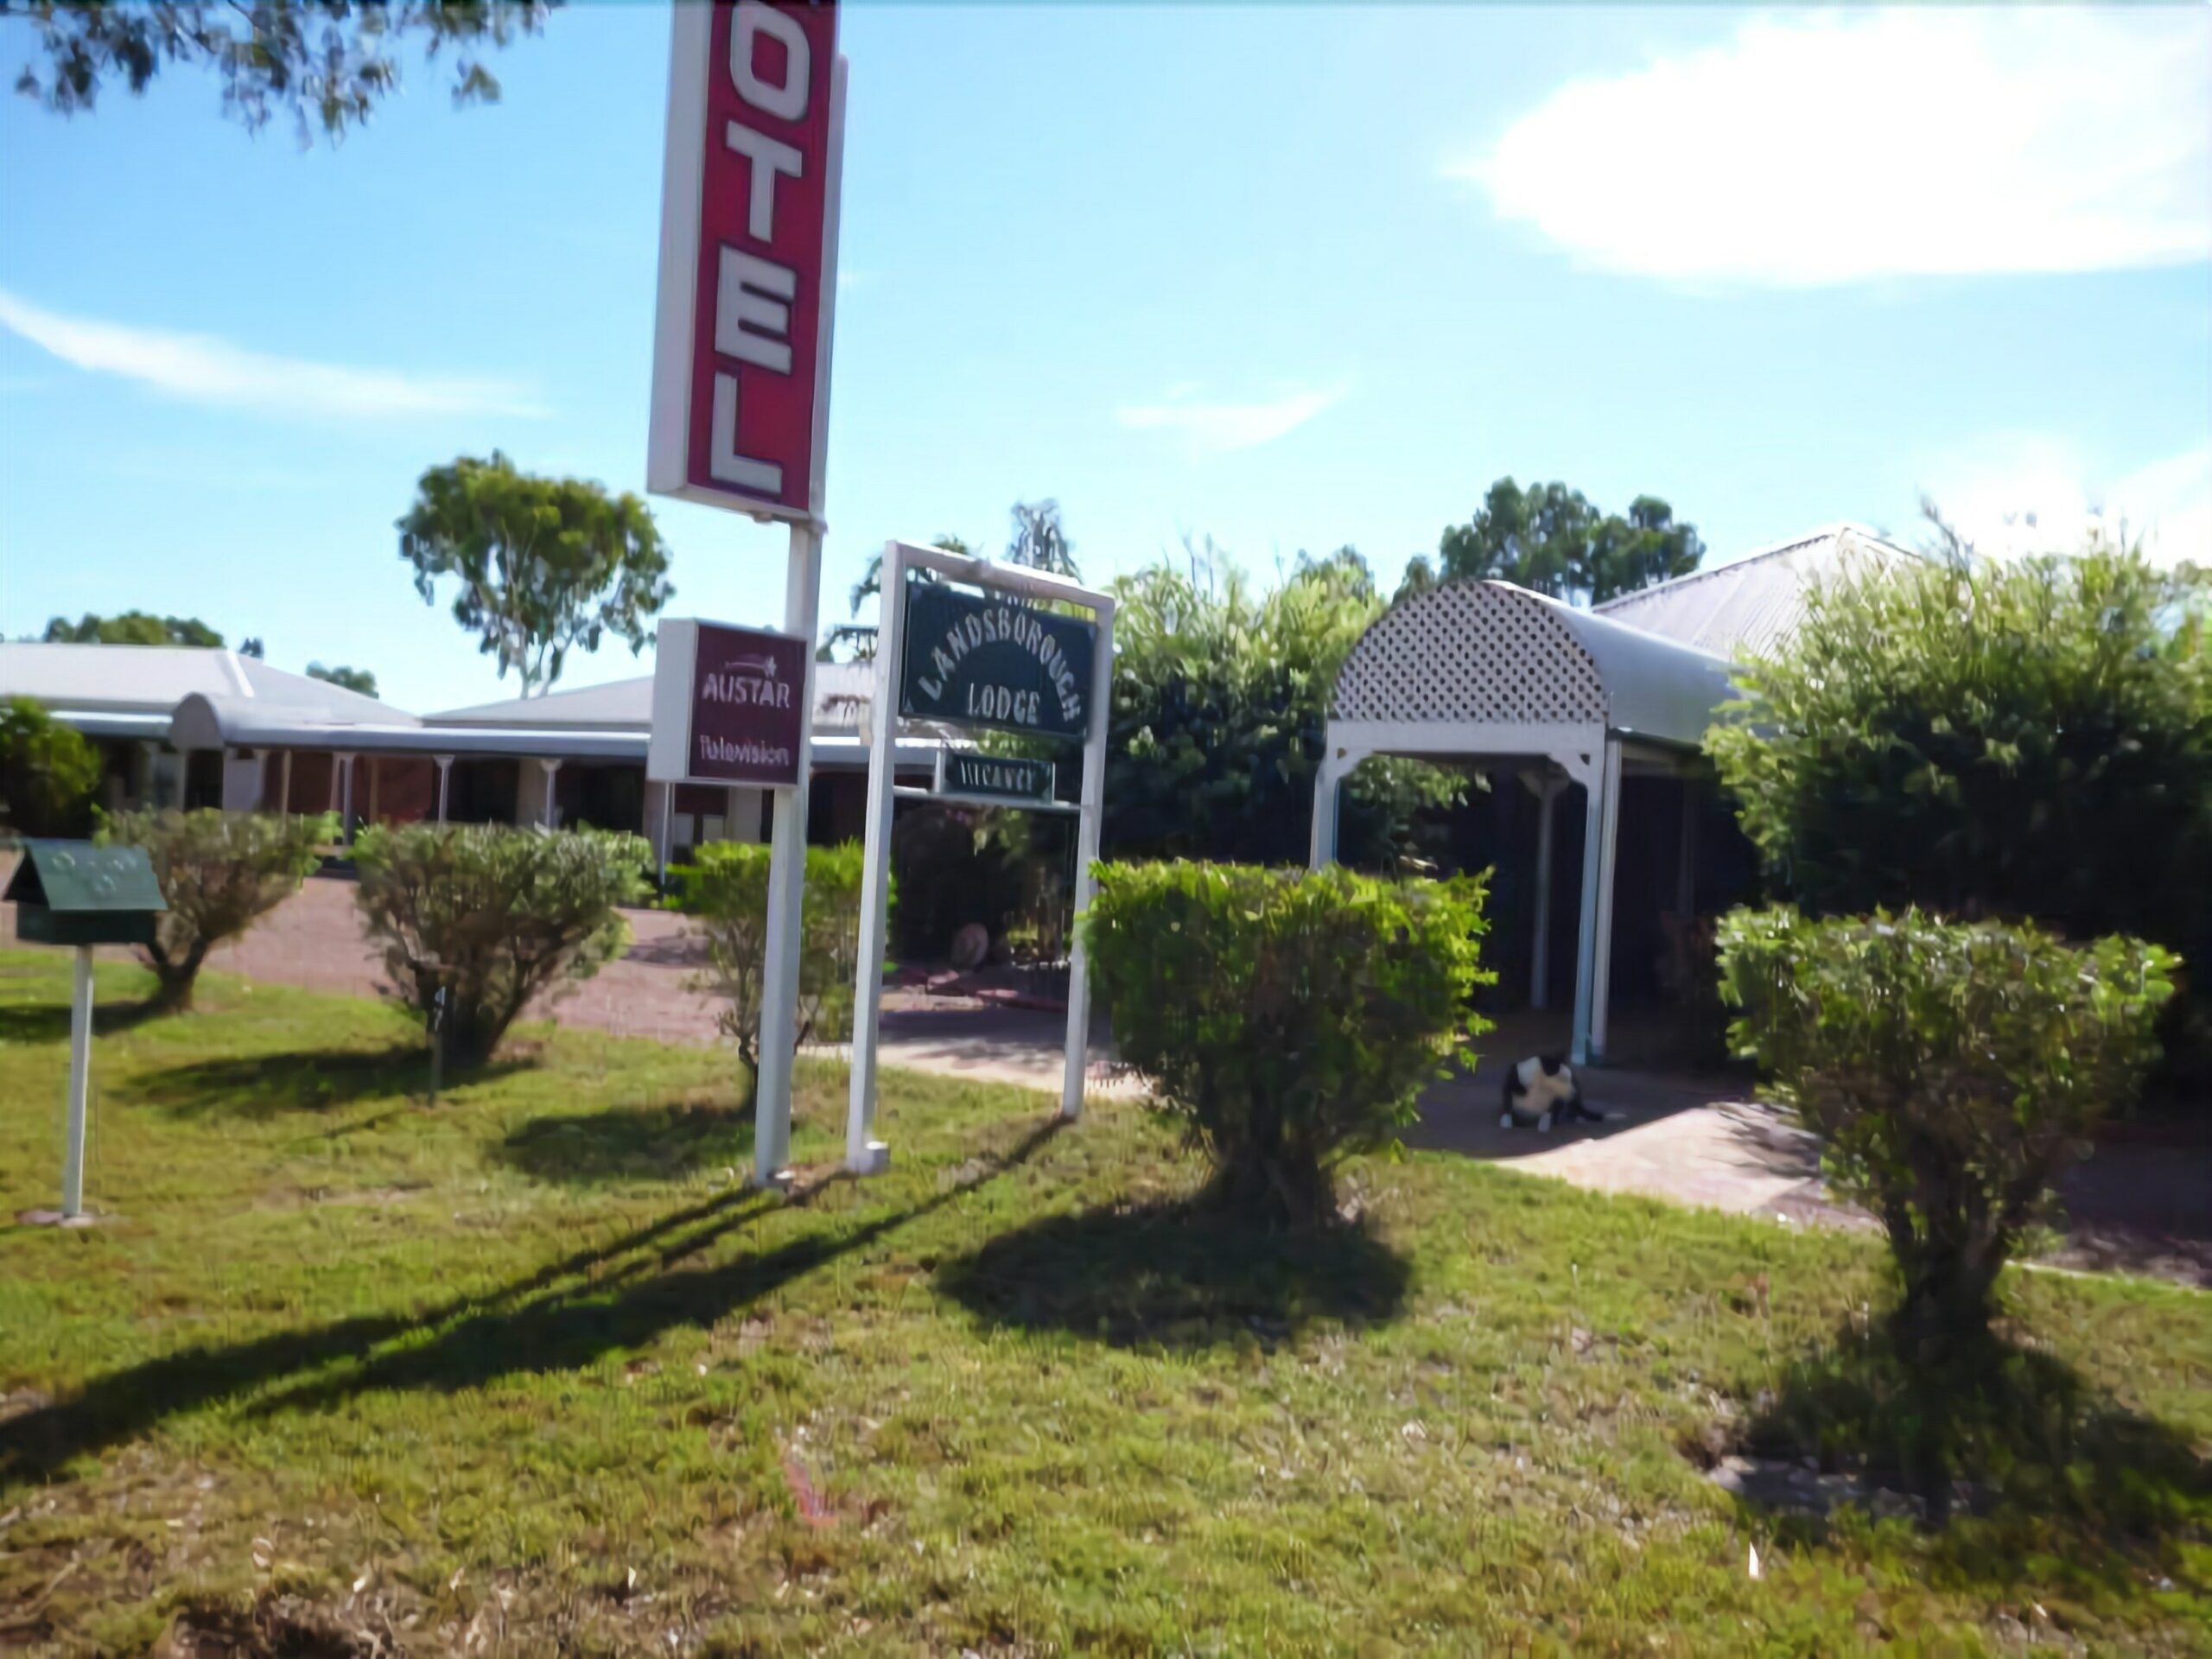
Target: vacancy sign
748	256
728	705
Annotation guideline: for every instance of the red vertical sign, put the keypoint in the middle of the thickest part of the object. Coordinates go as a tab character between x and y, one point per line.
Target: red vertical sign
748	255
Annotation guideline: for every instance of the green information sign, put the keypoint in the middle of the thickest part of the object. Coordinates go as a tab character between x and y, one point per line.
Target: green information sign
980	661
993	777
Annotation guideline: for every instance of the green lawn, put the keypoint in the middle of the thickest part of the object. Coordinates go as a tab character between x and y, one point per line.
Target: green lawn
528	1373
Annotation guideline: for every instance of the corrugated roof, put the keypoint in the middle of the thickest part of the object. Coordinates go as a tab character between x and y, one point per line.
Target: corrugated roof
1754	605
153	679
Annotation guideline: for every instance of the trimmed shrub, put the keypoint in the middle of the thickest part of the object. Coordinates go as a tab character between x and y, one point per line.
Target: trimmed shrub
727	891
49	774
1953	1071
493	916
219	872
1290	1018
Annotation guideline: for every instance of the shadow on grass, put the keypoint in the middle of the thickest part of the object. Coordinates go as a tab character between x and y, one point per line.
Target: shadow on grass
626	1143
1182	1273
565	1315
302	1080
49	1022
2041	1467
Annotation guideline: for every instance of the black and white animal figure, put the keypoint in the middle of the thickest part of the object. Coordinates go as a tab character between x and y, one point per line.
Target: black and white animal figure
1542	1088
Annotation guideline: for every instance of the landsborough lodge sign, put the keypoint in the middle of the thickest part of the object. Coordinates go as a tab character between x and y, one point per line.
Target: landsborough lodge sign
985	661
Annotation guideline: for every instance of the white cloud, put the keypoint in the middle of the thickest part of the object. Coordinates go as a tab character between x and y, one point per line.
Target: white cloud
2033	494
204	369
1827	147
1212	428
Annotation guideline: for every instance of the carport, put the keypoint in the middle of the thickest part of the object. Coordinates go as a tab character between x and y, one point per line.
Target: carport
1497	678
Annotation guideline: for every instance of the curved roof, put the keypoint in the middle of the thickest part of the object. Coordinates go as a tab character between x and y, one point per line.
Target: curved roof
1489	653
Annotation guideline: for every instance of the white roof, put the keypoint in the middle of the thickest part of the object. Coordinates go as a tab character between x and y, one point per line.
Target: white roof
153	679
1754	605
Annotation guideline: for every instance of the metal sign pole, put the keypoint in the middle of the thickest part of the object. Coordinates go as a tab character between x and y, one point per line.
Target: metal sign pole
864	1154
1086	855
81	1066
771	1111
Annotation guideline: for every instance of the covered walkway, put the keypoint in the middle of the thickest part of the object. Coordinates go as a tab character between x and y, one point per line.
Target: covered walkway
1492	677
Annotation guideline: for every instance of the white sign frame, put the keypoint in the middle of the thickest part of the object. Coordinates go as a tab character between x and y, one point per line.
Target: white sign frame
864	1153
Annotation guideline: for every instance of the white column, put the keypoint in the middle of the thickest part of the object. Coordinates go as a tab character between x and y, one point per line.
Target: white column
1325	785
1594	960
1086	855
864	1153
345	799
284	786
80	1064
445	777
550	768
1540	956
771	1115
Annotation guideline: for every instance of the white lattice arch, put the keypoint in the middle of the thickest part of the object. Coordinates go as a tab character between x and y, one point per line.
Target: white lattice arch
1492	674
1477	652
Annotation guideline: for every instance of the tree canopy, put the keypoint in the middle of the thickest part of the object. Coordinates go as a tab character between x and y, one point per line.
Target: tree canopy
328	62
2026	738
1550	538
132	628
351	679
543	564
1221	696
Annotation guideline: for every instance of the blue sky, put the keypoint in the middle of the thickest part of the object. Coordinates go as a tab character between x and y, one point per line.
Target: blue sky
1291	278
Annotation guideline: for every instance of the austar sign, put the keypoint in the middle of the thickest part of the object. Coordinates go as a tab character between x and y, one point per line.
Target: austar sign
748	256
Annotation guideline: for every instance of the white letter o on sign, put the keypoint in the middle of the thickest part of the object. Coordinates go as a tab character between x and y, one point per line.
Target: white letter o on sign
788	101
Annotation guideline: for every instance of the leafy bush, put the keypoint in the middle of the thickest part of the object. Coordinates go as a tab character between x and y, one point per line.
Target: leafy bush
1952	1069
727	891
2030	739
494	915
1290	1018
48	772
219	872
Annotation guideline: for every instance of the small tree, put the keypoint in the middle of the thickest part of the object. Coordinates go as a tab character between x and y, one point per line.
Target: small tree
347	679
1290	1019
545	563
219	874
48	772
1953	1071
726	892
492	917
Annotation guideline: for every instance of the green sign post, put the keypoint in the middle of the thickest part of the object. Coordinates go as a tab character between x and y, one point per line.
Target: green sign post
73	892
990	660
998	780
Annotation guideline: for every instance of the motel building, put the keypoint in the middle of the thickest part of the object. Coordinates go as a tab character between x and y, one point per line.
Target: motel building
178	726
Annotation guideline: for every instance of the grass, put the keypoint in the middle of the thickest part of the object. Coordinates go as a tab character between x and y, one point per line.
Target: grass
530	1372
